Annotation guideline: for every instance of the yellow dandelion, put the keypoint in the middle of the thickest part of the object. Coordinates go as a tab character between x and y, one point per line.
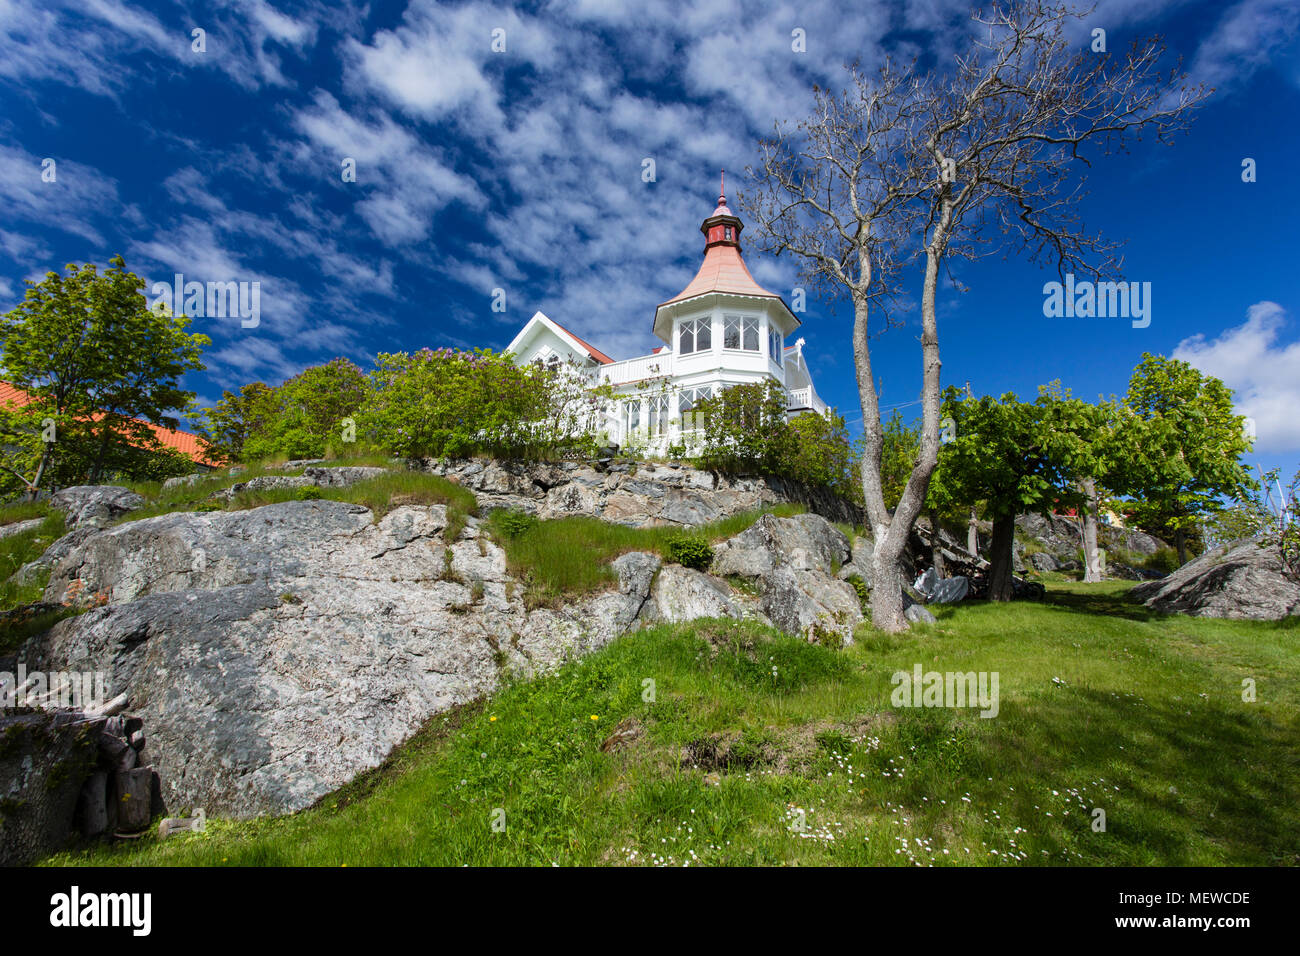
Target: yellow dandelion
594	717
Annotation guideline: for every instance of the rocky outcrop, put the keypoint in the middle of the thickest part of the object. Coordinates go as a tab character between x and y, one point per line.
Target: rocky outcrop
277	652
639	494
20	527
681	594
95	505
1239	580
1061	539
342	477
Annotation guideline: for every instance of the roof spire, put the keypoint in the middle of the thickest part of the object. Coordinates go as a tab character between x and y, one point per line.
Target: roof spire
722	189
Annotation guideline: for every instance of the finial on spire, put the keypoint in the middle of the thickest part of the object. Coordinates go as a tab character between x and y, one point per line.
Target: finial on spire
722	188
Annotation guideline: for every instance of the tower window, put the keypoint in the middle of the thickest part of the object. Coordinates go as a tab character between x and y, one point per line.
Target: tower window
740	332
695	335
727	232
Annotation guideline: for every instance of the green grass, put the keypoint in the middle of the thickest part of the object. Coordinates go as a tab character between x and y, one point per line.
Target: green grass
380	494
17	550
564	557
23	511
750	732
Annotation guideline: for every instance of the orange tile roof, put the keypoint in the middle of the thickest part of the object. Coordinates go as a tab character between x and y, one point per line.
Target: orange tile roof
184	442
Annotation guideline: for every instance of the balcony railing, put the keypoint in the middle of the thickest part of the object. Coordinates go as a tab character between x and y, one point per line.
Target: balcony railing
636	369
806	398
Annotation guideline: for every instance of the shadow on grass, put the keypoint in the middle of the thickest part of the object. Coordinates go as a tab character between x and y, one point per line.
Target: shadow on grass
1110	603
1221	773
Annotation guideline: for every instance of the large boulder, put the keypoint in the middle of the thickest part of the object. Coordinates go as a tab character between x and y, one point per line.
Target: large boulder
682	594
95	505
805	542
275	653
1239	580
799	599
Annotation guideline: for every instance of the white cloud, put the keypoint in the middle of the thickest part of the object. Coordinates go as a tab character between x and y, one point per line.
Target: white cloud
1263	371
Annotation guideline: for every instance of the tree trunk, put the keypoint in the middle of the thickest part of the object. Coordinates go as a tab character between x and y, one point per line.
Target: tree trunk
936	546
98	468
1091	557
972	534
891	530
1001	557
1180	542
35	488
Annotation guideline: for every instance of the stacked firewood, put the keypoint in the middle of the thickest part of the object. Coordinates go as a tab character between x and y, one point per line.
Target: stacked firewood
123	794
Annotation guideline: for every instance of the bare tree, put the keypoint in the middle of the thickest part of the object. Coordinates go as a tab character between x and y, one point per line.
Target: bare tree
961	163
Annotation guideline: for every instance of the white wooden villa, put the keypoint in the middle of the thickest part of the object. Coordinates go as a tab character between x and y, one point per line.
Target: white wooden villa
723	329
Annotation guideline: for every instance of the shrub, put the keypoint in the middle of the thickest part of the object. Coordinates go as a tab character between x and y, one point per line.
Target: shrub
864	592
307	493
1164	560
514	522
744	429
210	506
689	552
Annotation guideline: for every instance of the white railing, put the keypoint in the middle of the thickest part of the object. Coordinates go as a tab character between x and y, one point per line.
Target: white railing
806	398
635	369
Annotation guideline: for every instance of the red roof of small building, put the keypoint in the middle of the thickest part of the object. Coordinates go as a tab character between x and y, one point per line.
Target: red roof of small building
184	442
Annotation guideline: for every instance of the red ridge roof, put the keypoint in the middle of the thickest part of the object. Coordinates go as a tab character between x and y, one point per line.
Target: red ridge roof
594	352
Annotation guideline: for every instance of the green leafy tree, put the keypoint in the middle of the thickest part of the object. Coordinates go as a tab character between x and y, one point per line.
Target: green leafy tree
1192	445
745	430
1017	458
98	364
448	403
227	425
306	415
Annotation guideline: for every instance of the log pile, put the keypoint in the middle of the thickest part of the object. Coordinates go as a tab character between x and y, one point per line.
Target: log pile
123	794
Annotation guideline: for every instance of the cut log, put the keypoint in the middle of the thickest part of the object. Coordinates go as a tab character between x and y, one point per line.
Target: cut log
134	797
94	805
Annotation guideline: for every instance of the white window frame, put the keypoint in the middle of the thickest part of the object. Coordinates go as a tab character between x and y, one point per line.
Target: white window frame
694	327
744	323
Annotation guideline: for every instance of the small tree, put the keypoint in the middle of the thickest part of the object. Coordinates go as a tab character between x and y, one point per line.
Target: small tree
98	364
304	417
227	425
1192	445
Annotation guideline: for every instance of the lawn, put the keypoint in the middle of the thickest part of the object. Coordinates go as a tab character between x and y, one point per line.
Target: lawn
753	748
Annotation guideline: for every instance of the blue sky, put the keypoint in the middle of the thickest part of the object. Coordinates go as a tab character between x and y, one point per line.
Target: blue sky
522	170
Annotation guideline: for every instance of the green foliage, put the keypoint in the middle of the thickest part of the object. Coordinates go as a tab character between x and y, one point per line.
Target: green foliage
303	418
863	592
228	424
690	551
308	493
898	454
1164	560
1191	446
99	365
566	557
445	403
19	549
512	522
745	431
